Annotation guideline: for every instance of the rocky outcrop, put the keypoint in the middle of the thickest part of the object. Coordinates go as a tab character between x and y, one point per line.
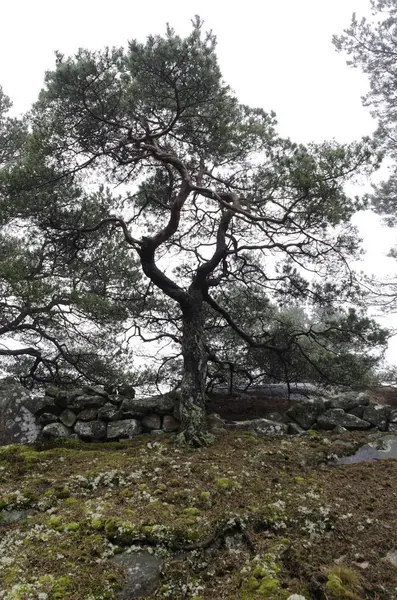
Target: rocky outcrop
18	423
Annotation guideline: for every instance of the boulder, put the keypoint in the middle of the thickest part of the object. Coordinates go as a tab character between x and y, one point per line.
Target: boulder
334	417
346	401
17	423
215	423
377	415
68	418
259	426
306	412
94	390
139	407
142	574
38	405
392	427
393	416
115	399
170	424
358	411
88	414
47	418
123	429
295	429
364	399
151	422
127	391
87	401
91	430
55	431
109	412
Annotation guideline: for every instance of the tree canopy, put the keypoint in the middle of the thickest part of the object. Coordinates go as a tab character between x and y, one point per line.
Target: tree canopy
218	223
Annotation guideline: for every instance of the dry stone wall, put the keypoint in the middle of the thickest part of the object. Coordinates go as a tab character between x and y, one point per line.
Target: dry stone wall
95	414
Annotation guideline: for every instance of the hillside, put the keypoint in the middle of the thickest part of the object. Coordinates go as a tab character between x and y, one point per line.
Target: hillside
247	518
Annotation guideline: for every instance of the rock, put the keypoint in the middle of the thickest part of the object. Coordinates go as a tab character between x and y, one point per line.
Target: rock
18	424
139	407
157	432
259	426
68	418
339	429
12	516
296	597
392	427
123	429
215	423
91	430
47	418
346	401
82	402
55	431
127	391
52	390
295	429
337	416
393	416
306	412
358	411
235	543
38	405
364	399
170	424
391	557
94	390
151	422
109	412
142	574
115	399
89	414
378	415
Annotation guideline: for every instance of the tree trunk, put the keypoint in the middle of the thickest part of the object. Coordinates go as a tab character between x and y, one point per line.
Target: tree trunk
194	430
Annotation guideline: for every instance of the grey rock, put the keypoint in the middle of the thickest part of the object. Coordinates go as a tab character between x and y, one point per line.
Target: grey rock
12	516
259	426
123	429
139	407
68	418
378	415
339	429
94	390
170	424
91	430
295	429
115	399
157	432
364	399
18	424
393	416
215	423
337	416
142	574
86	401
392	427
346	401
89	414
235	543
306	412
52	390
38	405
391	557
47	418
358	411
55	431
151	422
109	412
127	391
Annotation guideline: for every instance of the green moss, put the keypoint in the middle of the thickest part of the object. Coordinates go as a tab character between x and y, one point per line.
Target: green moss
192	511
343	583
313	433
73	526
58	491
226	484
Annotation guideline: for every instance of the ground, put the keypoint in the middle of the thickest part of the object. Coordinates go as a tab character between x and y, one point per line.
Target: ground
247	518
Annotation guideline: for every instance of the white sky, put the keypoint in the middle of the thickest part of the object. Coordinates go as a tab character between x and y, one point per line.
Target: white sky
276	54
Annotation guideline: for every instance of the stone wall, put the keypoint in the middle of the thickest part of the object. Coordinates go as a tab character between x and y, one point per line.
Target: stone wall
93	414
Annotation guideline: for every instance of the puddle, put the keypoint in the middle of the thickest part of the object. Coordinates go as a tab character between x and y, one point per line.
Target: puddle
380	449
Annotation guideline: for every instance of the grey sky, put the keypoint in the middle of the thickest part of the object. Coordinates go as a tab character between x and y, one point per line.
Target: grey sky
276	54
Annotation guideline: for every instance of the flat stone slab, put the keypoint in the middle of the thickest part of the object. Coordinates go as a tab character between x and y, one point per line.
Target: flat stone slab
142	572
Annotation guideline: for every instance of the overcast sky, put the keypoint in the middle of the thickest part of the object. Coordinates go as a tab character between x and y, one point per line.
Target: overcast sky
276	54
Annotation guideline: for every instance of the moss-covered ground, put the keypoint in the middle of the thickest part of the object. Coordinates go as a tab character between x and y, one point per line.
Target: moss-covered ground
246	518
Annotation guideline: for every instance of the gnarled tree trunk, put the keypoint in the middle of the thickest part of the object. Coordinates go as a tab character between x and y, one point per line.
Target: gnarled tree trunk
194	429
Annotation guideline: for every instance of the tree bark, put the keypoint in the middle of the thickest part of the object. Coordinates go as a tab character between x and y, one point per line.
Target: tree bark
194	429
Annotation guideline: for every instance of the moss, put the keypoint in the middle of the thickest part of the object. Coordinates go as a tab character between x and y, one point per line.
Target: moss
226	484
192	511
343	582
73	526
58	491
313	433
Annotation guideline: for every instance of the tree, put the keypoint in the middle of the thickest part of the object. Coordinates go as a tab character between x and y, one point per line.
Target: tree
63	299
372	46
211	195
